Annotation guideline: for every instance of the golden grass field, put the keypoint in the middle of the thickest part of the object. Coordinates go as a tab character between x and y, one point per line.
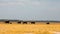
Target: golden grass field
41	28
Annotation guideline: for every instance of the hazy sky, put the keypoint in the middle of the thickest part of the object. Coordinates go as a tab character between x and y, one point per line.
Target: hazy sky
30	9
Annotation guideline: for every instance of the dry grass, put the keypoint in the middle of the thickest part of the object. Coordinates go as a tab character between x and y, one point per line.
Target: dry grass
29	28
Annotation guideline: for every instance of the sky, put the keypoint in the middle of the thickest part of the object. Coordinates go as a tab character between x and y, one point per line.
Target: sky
30	9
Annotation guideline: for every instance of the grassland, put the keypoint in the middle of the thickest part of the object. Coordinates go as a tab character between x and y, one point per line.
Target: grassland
29	28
